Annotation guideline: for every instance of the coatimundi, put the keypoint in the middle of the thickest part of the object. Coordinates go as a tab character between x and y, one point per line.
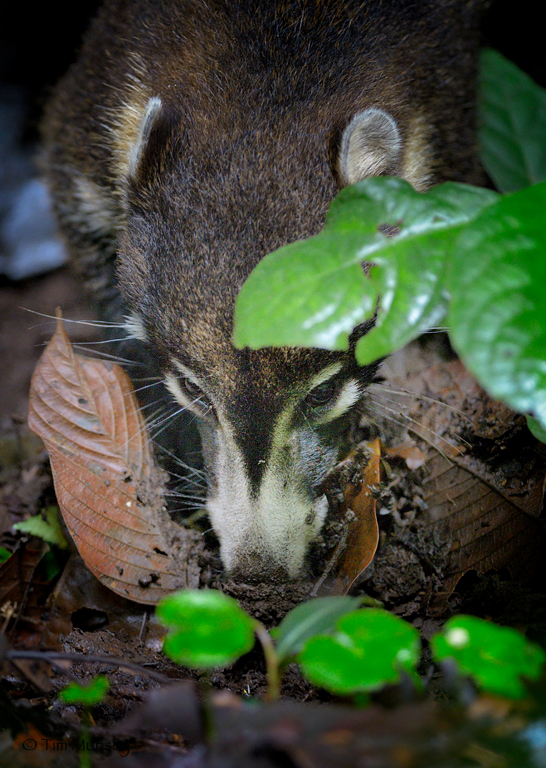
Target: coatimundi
193	137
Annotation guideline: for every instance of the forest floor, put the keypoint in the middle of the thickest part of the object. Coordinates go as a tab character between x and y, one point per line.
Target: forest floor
459	507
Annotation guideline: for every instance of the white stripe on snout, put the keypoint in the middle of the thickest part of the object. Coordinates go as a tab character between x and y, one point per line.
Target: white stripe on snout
275	527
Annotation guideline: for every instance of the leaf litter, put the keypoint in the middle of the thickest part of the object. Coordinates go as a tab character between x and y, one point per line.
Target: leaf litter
424	492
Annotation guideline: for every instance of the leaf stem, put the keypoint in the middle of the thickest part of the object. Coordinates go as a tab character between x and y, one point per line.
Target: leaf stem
271	662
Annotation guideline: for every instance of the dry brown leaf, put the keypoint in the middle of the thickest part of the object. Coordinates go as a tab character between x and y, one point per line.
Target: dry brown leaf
363	534
358	542
484	482
109	491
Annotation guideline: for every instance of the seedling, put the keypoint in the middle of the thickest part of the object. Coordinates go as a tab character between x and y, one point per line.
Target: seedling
495	657
343	650
86	695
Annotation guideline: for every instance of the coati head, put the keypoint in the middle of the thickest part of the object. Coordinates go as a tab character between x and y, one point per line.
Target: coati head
273	421
230	129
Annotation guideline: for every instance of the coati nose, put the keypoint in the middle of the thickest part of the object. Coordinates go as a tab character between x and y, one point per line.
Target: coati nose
254	568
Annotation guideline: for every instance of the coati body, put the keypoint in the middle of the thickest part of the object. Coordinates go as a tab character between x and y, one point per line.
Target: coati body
191	138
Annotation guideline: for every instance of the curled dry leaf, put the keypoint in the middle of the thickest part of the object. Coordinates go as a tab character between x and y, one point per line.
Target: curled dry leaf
358	547
363	534
109	491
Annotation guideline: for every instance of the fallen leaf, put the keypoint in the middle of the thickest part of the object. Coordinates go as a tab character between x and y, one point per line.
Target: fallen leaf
356	550
109	490
483	477
363	535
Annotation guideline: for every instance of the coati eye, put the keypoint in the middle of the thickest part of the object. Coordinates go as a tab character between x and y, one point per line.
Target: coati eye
195	393
321	395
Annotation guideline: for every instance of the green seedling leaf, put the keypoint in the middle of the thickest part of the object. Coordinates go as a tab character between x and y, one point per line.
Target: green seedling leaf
5	554
512	115
368	649
536	429
314	292
308	619
496	657
47	528
206	628
88	695
497	314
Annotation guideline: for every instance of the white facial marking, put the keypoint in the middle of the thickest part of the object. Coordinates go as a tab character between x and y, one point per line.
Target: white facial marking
324	375
134	327
350	394
278	524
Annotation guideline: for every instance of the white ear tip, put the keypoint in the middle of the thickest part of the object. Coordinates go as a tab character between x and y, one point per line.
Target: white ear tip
370	145
147	121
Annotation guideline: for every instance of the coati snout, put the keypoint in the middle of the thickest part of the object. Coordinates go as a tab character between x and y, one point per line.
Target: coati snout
190	139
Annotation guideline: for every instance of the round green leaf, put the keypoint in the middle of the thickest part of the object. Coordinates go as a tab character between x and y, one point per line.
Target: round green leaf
369	649
206	628
496	657
303	295
308	619
497	316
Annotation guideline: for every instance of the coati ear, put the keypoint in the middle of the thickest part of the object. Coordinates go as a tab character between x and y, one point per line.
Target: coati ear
370	145
147	121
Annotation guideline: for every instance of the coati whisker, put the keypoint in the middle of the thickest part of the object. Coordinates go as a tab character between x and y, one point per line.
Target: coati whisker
108	356
419	396
193	470
172	181
147	386
414	426
92	323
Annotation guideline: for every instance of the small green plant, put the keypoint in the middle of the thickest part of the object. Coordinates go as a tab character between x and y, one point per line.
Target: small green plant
495	657
342	647
46	526
87	696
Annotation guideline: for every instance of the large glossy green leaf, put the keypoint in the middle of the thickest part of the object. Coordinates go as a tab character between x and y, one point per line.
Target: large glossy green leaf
496	657
313	292
308	619
497	316
512	116
206	628
369	649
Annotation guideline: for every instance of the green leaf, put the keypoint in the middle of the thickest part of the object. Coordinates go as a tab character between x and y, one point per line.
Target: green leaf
314	292
536	429
5	554
309	619
48	529
370	648
497	315
409	269
496	657
301	295
206	628
93	693
512	116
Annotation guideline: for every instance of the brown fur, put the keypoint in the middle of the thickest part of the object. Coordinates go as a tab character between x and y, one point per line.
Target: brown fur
242	157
